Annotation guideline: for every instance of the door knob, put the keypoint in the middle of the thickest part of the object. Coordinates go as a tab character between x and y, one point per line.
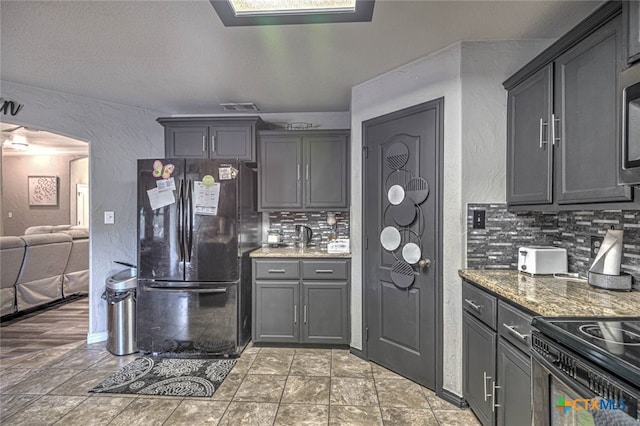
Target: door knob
424	263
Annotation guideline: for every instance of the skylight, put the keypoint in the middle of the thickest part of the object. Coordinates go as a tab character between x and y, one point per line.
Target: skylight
286	12
268	7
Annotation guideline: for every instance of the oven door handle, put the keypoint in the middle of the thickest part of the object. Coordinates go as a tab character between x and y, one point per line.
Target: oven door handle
512	330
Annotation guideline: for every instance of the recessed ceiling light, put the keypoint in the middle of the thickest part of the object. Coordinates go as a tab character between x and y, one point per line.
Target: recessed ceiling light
284	12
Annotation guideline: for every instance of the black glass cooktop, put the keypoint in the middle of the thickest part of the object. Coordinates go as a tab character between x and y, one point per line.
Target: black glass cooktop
611	343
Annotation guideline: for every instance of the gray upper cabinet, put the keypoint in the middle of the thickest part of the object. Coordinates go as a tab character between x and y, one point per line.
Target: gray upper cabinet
306	170
563	121
326	179
280	172
586	121
530	156
631	13
223	138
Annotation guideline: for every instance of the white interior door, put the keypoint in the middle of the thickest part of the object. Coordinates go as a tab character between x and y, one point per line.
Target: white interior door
82	204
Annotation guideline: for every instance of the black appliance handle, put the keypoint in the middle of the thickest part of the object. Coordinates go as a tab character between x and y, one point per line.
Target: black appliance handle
180	212
186	289
190	220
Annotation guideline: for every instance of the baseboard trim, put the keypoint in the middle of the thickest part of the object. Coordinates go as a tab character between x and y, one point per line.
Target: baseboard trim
358	353
97	337
454	399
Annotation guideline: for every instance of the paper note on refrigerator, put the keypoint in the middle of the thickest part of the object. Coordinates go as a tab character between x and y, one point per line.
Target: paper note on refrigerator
206	198
159	199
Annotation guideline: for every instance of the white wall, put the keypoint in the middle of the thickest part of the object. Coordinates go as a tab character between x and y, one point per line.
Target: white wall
469	76
117	136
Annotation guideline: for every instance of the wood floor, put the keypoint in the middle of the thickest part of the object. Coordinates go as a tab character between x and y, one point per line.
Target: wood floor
55	326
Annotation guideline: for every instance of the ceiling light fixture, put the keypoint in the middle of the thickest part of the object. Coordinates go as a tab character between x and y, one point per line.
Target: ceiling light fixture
17	142
285	12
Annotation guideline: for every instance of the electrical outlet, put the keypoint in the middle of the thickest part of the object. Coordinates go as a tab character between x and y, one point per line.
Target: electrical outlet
596	243
479	219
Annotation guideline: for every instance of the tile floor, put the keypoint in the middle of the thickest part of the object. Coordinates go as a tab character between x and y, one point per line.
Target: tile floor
268	386
42	383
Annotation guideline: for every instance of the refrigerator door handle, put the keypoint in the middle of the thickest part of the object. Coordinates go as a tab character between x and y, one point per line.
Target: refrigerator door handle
189	220
186	289
180	211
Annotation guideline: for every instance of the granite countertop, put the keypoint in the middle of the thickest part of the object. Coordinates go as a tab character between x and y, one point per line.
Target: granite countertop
553	297
294	252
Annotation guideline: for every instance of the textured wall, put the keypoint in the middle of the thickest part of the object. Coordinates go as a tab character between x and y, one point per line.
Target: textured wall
16	169
469	76
117	136
495	247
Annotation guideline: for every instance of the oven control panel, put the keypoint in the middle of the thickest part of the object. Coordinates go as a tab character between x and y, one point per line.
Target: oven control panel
579	373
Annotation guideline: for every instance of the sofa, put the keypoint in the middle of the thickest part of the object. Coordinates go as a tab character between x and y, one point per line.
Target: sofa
46	264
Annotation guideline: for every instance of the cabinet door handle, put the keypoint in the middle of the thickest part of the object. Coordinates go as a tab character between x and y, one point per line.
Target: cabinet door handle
493	397
305	314
295	314
512	329
213	144
298	171
484	384
307	171
474	306
204	143
543	124
324	271
554	139
277	271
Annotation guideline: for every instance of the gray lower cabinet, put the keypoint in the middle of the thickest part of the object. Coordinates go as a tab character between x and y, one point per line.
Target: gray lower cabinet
496	361
563	121
301	301
303	170
228	138
276	313
514	376
479	343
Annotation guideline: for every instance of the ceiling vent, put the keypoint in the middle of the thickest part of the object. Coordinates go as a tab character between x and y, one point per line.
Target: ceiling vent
240	107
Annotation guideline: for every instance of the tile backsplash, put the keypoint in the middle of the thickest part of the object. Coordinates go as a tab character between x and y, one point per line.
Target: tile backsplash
495	247
285	222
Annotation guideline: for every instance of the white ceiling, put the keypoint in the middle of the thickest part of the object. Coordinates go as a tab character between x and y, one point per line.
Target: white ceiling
41	142
176	57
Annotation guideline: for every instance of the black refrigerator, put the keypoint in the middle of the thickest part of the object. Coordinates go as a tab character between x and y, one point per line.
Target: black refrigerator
197	224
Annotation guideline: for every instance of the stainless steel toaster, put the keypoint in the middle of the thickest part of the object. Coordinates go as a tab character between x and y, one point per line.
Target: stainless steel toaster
541	260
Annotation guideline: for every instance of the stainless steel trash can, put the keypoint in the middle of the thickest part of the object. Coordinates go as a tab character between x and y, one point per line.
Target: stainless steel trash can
120	294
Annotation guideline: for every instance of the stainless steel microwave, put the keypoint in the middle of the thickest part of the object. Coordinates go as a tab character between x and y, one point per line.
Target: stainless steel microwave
629	170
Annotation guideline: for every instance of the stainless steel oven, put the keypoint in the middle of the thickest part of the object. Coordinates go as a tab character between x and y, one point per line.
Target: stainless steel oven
576	383
629	170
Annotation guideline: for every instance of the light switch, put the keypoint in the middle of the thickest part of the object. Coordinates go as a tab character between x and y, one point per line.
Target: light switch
10	214
109	218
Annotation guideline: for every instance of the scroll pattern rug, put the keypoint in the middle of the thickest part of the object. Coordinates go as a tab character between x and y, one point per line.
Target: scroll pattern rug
168	376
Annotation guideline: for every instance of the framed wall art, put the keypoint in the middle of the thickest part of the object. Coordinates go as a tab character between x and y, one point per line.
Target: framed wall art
43	190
